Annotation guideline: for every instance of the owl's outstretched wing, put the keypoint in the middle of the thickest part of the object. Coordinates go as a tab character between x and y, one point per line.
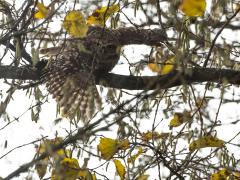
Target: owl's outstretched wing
69	76
75	92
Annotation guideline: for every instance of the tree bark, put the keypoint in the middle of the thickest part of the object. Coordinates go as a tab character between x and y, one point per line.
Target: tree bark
127	36
175	78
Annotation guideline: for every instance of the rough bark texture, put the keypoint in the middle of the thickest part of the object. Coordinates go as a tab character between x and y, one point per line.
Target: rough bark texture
126	36
175	78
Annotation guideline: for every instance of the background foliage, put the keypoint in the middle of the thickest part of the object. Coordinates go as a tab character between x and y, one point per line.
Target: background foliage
174	92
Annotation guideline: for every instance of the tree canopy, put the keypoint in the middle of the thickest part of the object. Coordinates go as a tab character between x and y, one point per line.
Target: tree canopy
170	105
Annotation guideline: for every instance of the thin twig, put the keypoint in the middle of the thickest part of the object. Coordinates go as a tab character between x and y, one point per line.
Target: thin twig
215	38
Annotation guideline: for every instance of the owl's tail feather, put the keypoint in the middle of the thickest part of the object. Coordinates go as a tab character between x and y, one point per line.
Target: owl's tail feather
83	103
75	98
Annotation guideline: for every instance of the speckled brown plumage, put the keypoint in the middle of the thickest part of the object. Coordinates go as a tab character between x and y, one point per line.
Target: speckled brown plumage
69	76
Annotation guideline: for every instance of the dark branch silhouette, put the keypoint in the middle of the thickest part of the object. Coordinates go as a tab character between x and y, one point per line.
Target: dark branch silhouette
175	78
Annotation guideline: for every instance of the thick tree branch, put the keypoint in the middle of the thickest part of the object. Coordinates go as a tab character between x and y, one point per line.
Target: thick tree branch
176	78
21	73
126	36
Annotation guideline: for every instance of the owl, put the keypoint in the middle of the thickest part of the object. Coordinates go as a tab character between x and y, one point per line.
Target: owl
70	72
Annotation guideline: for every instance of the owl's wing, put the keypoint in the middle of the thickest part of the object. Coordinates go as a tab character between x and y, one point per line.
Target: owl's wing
69	75
75	92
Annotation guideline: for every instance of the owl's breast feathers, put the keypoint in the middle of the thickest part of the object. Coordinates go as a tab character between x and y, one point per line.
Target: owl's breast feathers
69	76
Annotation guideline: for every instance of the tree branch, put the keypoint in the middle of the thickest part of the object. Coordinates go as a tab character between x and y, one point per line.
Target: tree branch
21	73
175	78
126	36
24	53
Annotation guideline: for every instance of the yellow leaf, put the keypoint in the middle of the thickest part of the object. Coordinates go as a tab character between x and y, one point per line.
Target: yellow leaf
221	175
42	11
206	141
236	175
143	177
163	68
153	135
154	67
75	24
68	169
70	163
237	7
100	16
180	118
94	177
150	135
41	167
193	8
107	147
86	175
135	156
46	146
123	144
168	66
120	169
